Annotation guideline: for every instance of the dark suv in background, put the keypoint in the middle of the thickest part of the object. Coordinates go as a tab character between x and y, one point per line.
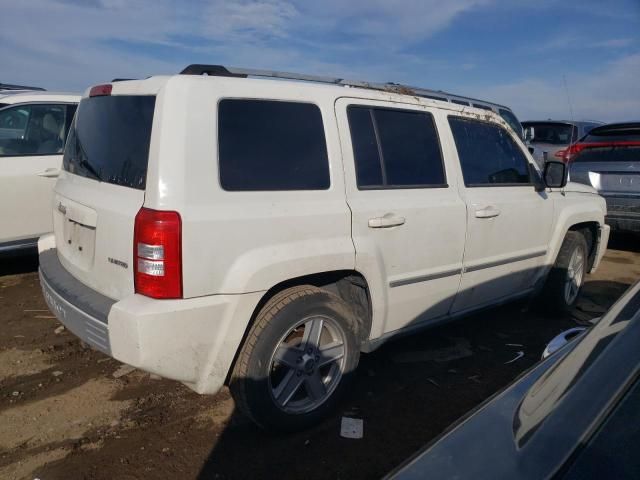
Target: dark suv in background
608	159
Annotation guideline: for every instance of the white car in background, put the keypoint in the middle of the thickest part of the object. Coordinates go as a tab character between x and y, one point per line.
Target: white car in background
33	130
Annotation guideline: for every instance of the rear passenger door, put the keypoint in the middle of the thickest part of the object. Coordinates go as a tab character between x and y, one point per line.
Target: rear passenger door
408	220
508	221
32	138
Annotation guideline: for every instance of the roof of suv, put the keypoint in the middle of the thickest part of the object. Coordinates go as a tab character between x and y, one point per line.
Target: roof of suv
11	97
569	122
152	85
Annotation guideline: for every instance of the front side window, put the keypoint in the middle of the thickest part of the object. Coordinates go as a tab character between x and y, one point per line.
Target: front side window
395	148
488	155
266	145
33	129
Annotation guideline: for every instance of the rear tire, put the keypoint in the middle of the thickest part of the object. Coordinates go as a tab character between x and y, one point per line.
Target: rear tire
563	284
297	359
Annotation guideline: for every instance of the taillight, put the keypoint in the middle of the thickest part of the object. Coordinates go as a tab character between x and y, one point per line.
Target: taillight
560	154
573	150
569	153
101	90
157	254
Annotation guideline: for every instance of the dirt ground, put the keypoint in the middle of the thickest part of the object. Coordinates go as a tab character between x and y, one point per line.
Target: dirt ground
68	412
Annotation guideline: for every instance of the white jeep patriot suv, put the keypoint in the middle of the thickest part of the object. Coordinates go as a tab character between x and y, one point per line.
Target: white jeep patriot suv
261	233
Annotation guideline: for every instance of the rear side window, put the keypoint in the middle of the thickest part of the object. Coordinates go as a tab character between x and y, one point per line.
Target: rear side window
488	155
109	139
395	148
266	145
29	130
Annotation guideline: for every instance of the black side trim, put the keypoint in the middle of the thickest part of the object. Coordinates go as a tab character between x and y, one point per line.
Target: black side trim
71	289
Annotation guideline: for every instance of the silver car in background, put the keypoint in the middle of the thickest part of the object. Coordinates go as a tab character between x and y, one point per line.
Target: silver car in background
550	138
608	159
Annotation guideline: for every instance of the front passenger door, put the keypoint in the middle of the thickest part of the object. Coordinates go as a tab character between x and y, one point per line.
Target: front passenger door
508	221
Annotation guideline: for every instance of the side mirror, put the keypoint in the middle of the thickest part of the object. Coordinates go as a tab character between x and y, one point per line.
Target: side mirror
555	174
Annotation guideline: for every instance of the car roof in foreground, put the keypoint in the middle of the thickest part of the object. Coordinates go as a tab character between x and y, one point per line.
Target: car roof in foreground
534	427
38	96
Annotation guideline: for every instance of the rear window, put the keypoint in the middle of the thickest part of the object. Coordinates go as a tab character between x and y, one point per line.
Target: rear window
550	133
266	145
109	139
624	133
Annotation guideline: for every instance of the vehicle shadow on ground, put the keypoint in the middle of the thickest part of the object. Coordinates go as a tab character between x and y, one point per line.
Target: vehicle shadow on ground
405	395
24	263
628	242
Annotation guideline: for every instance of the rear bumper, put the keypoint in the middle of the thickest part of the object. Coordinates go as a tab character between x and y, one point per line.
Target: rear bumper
193	341
623	213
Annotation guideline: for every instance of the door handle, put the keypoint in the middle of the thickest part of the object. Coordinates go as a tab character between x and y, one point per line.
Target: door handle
386	221
50	173
487	212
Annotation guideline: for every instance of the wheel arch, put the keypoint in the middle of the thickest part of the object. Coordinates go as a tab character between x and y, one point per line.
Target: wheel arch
591	231
349	285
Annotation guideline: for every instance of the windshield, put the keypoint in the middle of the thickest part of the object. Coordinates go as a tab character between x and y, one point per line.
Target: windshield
109	139
550	133
512	120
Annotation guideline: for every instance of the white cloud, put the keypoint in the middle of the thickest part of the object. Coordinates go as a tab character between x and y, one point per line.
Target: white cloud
68	44
609	93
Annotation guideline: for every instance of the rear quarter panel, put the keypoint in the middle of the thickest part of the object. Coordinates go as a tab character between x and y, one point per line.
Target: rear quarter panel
239	242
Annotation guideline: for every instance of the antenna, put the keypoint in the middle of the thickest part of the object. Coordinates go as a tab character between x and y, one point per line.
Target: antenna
566	89
573	120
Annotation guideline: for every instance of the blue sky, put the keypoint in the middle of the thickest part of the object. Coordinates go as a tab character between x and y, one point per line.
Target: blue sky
514	52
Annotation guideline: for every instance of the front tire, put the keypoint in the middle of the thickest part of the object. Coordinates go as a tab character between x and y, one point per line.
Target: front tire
563	284
297	359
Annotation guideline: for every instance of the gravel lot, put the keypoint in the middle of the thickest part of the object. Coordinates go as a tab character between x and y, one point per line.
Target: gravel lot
68	412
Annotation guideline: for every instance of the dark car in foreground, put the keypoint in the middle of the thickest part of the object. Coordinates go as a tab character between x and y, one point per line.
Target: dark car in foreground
576	415
608	159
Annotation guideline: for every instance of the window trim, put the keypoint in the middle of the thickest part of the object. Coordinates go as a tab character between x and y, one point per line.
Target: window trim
29	104
274	100
371	109
531	183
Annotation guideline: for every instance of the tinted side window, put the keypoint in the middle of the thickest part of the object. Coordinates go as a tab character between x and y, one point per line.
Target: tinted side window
271	145
395	148
488	155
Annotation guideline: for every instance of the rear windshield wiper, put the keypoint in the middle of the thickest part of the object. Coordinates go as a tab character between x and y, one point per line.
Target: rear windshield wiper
84	163
81	160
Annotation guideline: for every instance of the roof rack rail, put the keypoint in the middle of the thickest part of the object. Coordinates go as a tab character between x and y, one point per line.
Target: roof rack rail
8	86
222	71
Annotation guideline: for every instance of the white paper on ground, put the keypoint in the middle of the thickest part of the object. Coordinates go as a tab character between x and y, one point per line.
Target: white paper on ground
352	427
